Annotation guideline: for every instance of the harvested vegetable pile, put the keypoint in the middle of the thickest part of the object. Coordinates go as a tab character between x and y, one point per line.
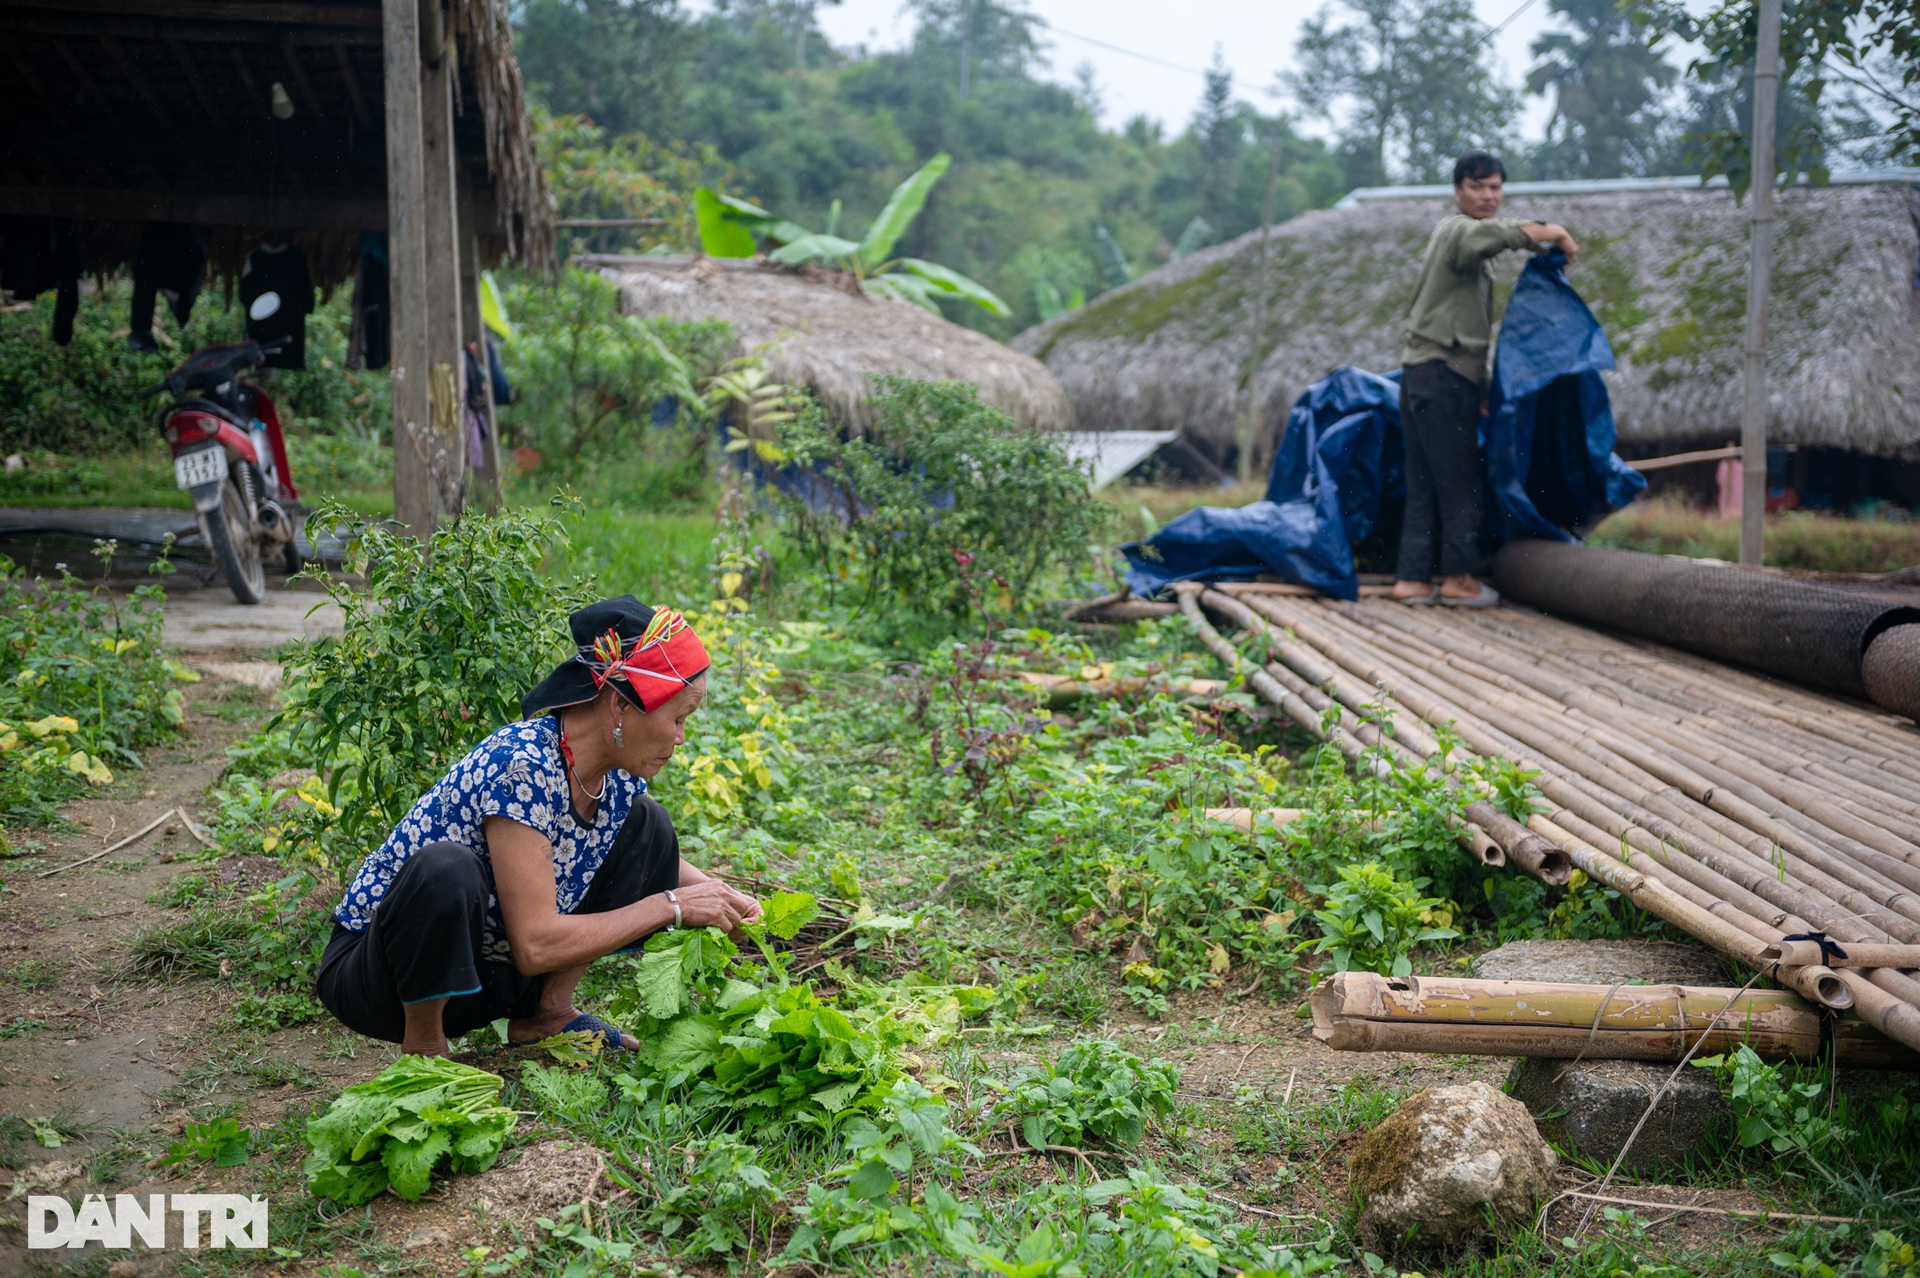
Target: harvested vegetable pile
763	1049
396	1129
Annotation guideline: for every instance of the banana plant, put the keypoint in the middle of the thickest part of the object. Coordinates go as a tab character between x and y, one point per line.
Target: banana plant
728	226
764	404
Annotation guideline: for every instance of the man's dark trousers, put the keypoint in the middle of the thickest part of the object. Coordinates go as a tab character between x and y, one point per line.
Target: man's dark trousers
1440	421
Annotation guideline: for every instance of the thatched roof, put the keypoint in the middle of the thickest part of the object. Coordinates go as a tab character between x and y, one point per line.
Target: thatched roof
819	330
1665	272
118	113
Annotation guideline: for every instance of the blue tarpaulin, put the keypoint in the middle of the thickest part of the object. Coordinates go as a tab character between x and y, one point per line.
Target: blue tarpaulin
1546	444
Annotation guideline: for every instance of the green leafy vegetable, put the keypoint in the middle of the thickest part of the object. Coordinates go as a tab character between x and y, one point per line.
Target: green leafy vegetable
224	1144
747	1042
1096	1092
397	1128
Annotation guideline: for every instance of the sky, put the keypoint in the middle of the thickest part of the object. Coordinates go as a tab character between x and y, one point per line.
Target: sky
1254	36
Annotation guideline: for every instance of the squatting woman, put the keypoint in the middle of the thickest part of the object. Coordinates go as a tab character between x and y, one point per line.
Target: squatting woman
535	855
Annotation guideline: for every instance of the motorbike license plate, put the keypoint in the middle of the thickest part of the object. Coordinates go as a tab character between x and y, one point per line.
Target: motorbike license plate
204	466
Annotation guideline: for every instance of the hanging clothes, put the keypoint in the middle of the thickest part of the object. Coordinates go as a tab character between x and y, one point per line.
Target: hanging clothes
370	341
474	411
502	388
41	253
171	259
279	269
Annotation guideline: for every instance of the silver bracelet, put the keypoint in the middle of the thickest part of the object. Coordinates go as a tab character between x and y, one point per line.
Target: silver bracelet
674	900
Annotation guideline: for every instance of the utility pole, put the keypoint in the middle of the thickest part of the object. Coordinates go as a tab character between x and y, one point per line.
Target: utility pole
1250	416
1753	418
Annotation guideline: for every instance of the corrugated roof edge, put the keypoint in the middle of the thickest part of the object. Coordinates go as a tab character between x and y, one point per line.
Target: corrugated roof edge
1590	186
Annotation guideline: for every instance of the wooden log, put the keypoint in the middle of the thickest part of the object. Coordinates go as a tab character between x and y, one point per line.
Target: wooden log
1364	1011
407	263
441	219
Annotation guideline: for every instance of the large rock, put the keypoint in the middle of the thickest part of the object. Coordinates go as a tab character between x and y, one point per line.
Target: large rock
1591	1106
1449	1164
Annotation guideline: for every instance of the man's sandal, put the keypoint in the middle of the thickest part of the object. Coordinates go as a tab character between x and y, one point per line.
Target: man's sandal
586	1022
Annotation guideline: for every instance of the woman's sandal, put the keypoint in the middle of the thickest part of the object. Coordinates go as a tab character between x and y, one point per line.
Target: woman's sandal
586	1022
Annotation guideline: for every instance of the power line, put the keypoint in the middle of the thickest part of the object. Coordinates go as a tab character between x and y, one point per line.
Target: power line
1491	32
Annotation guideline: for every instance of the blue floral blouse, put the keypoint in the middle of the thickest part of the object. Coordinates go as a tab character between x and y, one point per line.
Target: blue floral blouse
516	773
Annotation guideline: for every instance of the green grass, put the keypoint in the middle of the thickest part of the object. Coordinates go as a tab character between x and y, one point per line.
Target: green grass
1794	539
142	478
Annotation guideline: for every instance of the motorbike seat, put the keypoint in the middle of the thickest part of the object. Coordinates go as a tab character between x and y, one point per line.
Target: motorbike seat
217	409
212	366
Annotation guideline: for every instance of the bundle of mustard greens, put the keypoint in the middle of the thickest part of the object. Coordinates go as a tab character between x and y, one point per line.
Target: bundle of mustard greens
396	1129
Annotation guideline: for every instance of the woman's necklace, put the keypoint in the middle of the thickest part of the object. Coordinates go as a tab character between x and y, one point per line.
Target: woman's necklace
566	753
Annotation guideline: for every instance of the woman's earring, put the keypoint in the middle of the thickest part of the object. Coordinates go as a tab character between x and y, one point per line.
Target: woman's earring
619	736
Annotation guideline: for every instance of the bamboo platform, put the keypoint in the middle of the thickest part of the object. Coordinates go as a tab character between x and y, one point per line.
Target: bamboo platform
1772	823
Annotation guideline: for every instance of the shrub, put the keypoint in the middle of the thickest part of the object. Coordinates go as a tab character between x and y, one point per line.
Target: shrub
83	683
1372	920
435	653
588	379
1095	1093
942	496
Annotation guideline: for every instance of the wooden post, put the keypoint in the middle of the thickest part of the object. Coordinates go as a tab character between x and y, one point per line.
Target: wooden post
1753	418
487	486
413	501
440	222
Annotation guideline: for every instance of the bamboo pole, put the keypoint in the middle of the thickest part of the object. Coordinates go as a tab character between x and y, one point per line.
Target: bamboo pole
1415	698
1065	689
1735	898
1700	829
1529	851
1815	816
1364	1011
1474	839
1858	954
1893	986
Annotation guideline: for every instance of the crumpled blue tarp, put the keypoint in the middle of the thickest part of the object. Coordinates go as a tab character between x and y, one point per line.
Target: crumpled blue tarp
1546	443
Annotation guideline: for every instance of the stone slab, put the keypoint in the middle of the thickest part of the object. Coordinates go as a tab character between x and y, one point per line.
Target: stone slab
1591	1107
1604	963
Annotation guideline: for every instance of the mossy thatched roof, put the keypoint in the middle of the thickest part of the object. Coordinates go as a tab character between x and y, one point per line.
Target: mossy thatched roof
1665	272
818	330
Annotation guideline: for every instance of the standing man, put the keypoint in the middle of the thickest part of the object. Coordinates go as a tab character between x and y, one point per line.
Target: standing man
1443	384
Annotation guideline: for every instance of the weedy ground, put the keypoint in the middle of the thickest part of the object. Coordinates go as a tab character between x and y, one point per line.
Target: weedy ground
155	992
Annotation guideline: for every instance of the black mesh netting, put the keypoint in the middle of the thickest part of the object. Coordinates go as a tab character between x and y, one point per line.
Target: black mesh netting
1809	633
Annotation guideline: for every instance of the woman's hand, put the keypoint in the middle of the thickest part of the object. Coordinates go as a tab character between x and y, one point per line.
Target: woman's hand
711	903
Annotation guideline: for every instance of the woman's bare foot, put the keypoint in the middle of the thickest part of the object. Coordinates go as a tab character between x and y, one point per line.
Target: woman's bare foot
1413	590
1460	586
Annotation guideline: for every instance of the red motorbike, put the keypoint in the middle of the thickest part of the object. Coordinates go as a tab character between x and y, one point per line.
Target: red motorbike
229	453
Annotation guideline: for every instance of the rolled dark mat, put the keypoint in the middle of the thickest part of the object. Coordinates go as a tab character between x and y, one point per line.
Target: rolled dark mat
1891	670
1809	633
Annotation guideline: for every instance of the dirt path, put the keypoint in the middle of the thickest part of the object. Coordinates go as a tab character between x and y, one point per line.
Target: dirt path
115	1062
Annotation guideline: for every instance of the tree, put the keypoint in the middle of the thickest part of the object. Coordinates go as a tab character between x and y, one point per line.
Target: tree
1419	78
1871	45
1711	136
614	61
984	38
1220	127
1606	76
